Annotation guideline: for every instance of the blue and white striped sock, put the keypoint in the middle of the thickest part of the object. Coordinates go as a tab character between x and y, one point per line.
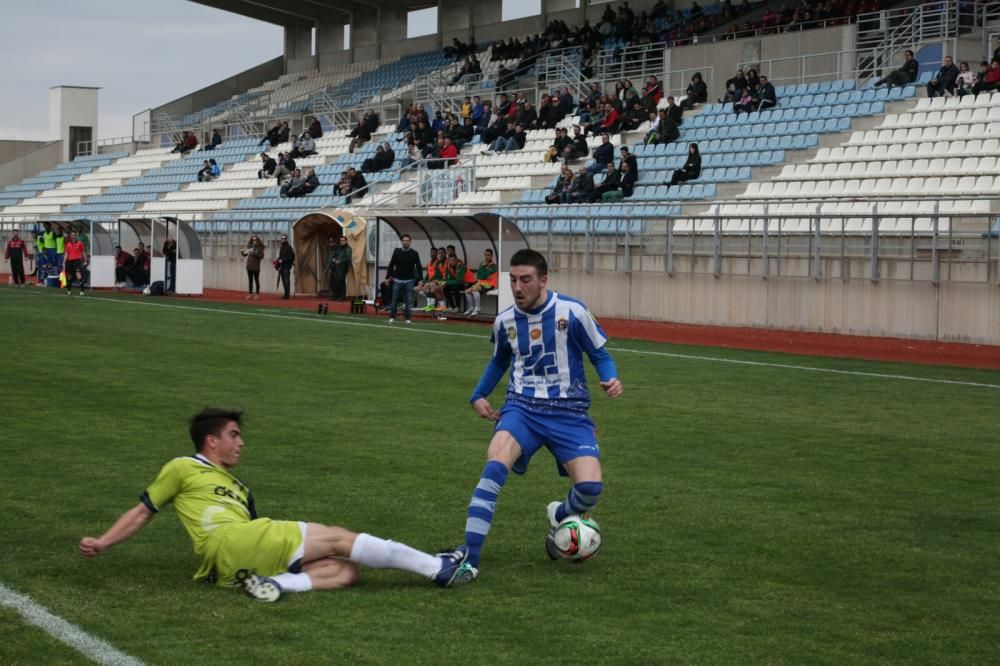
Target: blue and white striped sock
481	508
582	498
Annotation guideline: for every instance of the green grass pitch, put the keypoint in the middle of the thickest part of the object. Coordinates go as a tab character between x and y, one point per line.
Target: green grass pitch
751	514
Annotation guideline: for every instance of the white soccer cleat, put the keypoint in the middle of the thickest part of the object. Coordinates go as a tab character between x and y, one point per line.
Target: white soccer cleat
550	544
262	588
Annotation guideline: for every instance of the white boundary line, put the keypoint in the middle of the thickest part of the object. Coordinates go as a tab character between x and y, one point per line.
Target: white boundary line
270	314
63	631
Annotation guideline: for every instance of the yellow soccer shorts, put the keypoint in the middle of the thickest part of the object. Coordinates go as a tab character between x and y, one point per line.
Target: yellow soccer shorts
264	547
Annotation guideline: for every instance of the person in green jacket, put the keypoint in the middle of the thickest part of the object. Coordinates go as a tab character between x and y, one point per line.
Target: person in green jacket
339	263
49	244
60	239
454	280
486	279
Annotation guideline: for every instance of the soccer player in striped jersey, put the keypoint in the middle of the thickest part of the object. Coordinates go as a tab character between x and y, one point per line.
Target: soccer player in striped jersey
543	339
267	557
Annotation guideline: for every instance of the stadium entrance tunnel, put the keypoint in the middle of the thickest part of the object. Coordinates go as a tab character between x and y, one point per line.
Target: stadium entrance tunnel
152	232
310	240
470	234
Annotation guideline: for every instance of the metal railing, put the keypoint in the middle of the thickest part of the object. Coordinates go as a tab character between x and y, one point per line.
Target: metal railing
113	144
931	248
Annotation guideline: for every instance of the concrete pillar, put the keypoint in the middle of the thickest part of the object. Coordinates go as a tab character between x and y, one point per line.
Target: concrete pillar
329	37
392	23
298	42
364	28
73	117
455	14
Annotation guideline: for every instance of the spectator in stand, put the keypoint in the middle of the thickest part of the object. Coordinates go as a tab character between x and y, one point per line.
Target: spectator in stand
378	161
284	133
286	166
463	133
205	173
945	79
548	116
254	252
514	140
561	192
371	121
124	263
465	110
360	136
268	166
271	138
187	143
356	186
633	117
965	80
16	253
307	185
697	92
767	97
577	146
582	187
734	88
653	90
610	185
295	180
486	279
561	144
753	80
904	75
691	168
675	111
215	140
315	129
628	158
449	152
527	116
304	147
991	80
604	155
745	104
611	122
627	180
565	105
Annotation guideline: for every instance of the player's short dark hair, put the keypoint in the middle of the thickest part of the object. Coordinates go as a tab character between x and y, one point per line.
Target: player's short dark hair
531	258
211	421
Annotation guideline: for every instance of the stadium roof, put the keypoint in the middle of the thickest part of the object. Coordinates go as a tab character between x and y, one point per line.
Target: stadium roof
297	12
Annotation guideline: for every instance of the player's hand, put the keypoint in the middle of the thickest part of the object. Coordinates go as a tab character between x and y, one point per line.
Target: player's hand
612	388
485	410
90	547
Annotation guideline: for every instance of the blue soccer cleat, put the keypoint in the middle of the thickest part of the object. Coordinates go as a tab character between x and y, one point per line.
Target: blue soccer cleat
451	565
262	588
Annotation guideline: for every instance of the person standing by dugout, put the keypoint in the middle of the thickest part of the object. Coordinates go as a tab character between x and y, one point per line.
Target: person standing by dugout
170	254
339	262
254	252
403	272
286	259
17	252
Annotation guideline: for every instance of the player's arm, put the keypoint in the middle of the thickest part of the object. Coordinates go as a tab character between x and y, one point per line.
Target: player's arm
494	372
592	338
124	528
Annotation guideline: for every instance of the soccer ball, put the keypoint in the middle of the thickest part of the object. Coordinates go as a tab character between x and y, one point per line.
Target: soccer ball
578	538
146	291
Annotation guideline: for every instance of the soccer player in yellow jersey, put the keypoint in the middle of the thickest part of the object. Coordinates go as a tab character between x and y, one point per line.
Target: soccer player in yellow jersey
268	557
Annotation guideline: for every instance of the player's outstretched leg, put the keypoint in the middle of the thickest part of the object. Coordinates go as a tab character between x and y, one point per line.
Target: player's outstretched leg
480	516
582	498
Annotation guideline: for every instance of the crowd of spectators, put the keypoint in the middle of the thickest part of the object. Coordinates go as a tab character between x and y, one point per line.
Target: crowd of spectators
802	15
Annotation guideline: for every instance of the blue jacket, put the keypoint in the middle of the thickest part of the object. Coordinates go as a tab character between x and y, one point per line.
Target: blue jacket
604	153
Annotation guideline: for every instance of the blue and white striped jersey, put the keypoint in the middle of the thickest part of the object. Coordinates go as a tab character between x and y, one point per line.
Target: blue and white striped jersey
544	349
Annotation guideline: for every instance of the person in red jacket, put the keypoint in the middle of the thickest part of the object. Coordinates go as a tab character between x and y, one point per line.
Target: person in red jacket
991	81
449	152
611	117
17	252
76	259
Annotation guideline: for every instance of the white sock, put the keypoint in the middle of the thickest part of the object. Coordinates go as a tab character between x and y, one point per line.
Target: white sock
377	553
476	298
291	582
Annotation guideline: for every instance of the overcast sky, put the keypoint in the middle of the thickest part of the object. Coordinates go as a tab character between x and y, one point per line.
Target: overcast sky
141	53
